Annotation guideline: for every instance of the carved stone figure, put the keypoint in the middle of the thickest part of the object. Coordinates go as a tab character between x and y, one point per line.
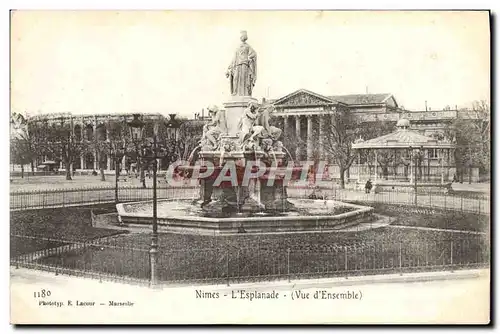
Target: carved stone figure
278	147
242	72
213	129
262	129
267	144
247	121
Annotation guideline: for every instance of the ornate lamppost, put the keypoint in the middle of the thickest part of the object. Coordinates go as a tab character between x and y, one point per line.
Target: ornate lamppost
173	126
119	153
136	127
417	154
149	153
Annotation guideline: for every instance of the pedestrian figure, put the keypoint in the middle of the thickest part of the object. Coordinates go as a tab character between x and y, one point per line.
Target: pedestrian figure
368	186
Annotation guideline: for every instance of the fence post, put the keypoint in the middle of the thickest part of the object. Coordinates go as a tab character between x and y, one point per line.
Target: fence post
227	266
288	264
258	259
426	254
238	261
400	258
451	254
345	261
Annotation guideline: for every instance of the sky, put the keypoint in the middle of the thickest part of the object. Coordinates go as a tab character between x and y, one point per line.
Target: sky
95	62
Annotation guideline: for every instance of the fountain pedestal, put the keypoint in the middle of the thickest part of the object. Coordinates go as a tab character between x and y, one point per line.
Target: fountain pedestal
235	108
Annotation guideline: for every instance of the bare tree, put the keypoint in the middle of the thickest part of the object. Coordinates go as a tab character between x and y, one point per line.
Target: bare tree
23	148
61	141
471	132
341	129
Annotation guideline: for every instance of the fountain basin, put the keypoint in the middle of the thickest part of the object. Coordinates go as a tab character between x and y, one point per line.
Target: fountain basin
186	217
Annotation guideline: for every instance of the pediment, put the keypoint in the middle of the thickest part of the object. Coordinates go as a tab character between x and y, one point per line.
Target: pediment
303	98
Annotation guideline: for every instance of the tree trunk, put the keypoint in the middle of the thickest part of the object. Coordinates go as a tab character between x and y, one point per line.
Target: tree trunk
103	177
143	177
342	177
68	169
117	175
22	171
32	168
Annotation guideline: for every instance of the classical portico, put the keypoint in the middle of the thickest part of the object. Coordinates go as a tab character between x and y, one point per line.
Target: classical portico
303	114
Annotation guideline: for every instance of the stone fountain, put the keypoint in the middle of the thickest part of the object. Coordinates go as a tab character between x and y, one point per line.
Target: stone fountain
243	170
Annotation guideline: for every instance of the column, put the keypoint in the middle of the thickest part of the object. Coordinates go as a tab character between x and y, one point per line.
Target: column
110	152
320	137
94	134
309	138
297	134
441	156
109	162
448	165
95	160
359	163
411	167
82	132
82	161
285	124
61	165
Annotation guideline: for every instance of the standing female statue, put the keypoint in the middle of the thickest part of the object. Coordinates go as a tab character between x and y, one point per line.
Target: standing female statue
242	72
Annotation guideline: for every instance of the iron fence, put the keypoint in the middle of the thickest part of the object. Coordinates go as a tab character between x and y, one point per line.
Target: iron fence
54	198
122	259
39	199
464	202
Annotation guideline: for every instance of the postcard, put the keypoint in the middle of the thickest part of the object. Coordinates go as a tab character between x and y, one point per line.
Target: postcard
250	167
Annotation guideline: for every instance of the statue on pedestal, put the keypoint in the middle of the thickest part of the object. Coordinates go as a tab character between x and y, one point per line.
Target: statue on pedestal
242	72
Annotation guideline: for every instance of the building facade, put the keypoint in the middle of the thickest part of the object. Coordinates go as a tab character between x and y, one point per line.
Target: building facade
91	128
304	112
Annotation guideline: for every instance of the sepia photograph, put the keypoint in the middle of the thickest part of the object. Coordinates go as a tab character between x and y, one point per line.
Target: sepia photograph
250	167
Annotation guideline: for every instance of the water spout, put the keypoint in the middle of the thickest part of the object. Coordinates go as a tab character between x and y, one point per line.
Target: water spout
238	200
221	159
274	157
191	155
287	151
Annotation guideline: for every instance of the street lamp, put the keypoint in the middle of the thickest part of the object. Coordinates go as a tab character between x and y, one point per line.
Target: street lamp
172	126
136	127
416	156
149	155
119	153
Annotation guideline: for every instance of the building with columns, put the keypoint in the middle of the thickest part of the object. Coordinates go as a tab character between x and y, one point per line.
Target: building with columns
304	111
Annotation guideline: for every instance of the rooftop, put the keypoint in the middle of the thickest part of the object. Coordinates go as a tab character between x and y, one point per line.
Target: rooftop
355	99
402	138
